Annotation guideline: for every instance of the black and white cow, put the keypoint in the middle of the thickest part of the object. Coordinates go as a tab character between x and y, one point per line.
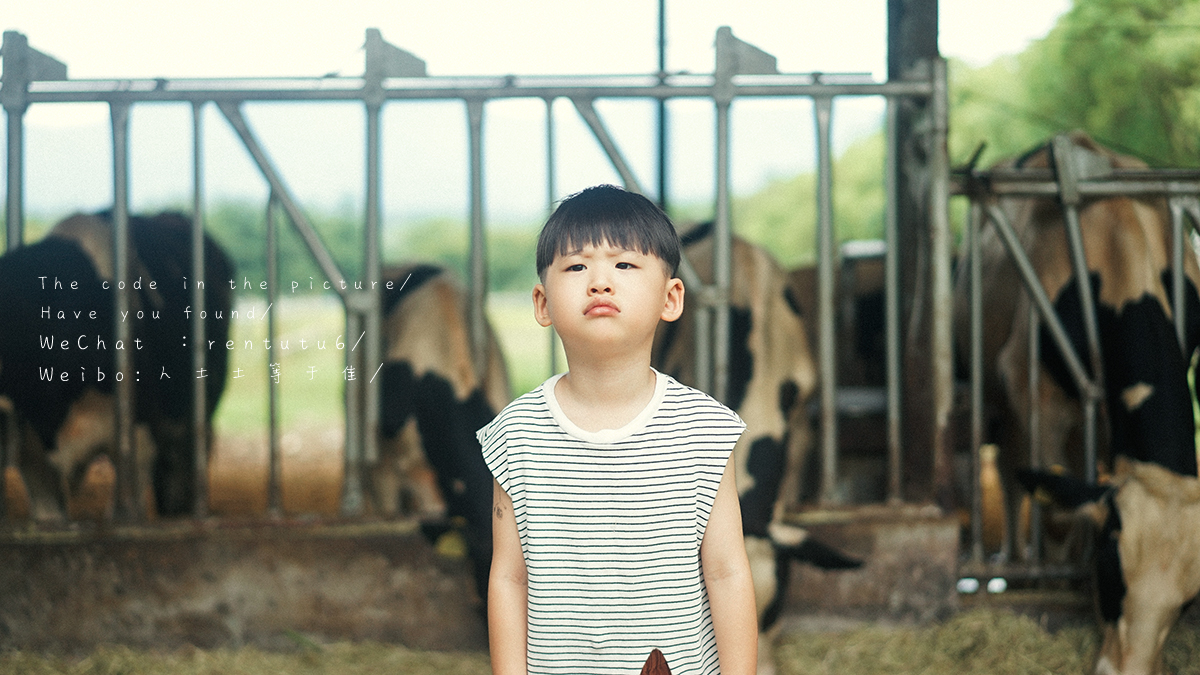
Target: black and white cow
1148	556
434	395
58	354
771	376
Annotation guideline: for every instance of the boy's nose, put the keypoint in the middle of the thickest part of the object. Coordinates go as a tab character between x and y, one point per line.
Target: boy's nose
601	288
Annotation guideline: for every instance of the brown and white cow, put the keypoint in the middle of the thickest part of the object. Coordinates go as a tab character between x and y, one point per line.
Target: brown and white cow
1148	404
771	377
433	397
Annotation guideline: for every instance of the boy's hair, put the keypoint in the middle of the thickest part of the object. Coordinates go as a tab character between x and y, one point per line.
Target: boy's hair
608	214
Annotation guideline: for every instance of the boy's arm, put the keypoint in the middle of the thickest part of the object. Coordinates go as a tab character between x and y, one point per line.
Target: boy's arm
507	590
727	576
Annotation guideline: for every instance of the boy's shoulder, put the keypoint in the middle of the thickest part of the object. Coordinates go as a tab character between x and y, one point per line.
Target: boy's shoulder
684	397
531	404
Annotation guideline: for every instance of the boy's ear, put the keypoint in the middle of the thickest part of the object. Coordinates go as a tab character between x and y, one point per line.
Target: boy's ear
540	312
673	307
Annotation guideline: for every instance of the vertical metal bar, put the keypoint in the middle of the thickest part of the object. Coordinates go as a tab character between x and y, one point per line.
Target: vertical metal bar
372	355
274	481
551	196
1034	554
199	384
976	309
663	143
1177	299
891	264
353	497
129	488
1068	185
941	292
826	354
722	250
478	254
14	95
15	206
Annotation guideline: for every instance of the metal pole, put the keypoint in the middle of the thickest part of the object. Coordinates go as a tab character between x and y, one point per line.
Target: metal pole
891	263
551	195
662	106
478	254
274	482
199	384
1034	555
722	249
976	309
129	488
1178	306
826	354
373	353
15	209
353	497
14	94
941	288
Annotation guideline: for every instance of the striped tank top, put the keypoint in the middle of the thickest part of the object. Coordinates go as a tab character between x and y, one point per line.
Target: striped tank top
610	525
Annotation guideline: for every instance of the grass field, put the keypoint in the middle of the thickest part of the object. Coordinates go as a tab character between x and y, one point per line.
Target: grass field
311	378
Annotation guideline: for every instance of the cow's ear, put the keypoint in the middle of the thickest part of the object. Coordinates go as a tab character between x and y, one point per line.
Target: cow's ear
540	311
673	307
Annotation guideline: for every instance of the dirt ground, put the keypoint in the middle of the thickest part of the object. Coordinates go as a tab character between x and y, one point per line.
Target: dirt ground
311	466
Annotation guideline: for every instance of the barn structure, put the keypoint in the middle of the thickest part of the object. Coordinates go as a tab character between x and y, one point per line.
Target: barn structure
209	582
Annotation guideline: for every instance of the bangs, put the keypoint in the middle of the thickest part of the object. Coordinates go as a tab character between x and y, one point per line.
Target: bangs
608	215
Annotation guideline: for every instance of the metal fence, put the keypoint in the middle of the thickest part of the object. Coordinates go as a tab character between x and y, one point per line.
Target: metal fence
392	76
1073	178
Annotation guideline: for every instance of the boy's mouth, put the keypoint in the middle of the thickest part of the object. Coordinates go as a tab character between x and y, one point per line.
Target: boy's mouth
601	307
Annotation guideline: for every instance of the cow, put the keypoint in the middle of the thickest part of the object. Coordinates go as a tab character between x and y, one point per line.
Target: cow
1146	554
58	356
771	377
434	395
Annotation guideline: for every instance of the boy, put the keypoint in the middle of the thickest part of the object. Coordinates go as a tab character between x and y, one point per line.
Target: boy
616	527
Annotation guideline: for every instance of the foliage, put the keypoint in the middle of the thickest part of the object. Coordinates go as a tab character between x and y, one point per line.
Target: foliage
240	228
782	217
1125	71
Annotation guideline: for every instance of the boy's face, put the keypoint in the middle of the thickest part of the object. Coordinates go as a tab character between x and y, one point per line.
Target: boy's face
604	296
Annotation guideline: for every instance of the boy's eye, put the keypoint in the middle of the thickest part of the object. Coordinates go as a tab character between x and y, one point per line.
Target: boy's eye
625	266
577	267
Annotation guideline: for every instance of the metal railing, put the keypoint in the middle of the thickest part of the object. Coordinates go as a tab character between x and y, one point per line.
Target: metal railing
393	75
1074	176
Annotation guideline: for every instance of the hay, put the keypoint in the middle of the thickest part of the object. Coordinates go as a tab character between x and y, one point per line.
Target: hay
337	659
995	642
991	641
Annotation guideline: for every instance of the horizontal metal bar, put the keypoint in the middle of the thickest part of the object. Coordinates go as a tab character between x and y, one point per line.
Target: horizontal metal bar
1148	183
432	88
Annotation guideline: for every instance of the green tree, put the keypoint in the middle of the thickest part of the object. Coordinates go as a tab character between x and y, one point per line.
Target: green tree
782	217
1125	71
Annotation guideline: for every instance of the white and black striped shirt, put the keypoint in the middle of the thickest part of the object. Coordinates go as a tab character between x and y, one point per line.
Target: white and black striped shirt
611	524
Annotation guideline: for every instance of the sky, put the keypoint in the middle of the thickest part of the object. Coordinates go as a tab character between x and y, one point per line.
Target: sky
318	147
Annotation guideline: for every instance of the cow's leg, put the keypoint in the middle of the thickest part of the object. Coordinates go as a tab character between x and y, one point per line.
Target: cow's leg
1133	646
